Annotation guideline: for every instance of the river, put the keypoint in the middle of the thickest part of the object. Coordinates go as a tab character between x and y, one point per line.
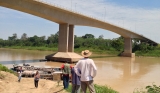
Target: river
120	73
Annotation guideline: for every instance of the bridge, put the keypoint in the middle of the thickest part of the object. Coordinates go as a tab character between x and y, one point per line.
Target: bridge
67	19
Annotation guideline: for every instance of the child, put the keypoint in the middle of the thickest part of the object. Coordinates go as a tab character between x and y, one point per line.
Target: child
19	74
76	83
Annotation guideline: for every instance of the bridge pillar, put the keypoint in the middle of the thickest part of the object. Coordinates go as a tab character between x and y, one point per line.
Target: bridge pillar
66	38
71	39
65	45
128	48
63	38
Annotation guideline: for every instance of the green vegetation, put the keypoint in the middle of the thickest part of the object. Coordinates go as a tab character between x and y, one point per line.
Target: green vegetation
112	47
149	89
98	88
104	89
4	68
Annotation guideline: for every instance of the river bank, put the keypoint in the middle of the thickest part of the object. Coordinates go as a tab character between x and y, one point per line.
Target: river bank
48	86
10	84
98	52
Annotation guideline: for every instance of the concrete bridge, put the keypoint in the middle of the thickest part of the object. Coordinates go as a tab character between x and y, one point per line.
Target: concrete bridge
67	19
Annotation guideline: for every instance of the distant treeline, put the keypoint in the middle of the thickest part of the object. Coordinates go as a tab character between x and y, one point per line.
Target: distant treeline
88	41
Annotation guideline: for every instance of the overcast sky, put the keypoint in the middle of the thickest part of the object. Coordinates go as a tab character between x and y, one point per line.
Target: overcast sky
140	16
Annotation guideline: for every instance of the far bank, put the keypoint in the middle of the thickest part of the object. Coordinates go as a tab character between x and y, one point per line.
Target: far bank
99	53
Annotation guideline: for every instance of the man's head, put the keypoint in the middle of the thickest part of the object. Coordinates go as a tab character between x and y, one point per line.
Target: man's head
86	53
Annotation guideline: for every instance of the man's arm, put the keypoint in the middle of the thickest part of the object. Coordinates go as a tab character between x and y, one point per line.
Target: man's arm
62	67
94	69
71	67
76	67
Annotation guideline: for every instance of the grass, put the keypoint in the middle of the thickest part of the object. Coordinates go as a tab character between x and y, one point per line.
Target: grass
98	88
77	50
4	68
98	51
153	53
104	89
42	48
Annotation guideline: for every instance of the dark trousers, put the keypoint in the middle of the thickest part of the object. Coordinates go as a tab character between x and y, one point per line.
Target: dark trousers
76	88
36	83
65	81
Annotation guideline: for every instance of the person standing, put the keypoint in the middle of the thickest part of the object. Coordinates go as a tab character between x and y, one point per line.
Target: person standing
88	71
76	82
19	74
36	79
66	72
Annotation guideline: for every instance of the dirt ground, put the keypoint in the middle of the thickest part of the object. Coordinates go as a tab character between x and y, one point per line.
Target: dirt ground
10	84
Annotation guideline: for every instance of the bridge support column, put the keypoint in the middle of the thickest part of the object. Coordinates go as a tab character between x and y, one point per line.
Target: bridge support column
71	39
65	45
63	38
128	48
66	38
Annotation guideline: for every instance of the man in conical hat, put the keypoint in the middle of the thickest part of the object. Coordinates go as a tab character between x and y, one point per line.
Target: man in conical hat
88	71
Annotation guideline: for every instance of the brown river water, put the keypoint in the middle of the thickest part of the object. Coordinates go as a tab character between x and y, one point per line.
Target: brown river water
120	73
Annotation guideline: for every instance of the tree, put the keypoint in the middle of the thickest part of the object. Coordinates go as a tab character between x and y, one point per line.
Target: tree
88	36
101	37
78	42
14	37
89	42
24	36
118	43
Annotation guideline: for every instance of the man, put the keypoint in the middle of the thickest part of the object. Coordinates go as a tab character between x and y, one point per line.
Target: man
76	82
66	72
88	71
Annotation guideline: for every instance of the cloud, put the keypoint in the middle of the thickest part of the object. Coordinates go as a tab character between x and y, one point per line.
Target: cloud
140	20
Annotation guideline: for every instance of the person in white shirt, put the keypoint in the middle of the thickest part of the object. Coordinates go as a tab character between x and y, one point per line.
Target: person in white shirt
88	71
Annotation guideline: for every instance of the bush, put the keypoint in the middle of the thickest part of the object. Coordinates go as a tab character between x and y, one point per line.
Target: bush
149	89
153	89
4	68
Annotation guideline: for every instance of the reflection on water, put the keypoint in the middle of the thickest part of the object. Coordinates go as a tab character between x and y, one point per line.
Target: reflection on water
120	73
126	74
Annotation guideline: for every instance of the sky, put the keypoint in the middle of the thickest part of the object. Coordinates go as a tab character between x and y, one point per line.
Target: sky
140	16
